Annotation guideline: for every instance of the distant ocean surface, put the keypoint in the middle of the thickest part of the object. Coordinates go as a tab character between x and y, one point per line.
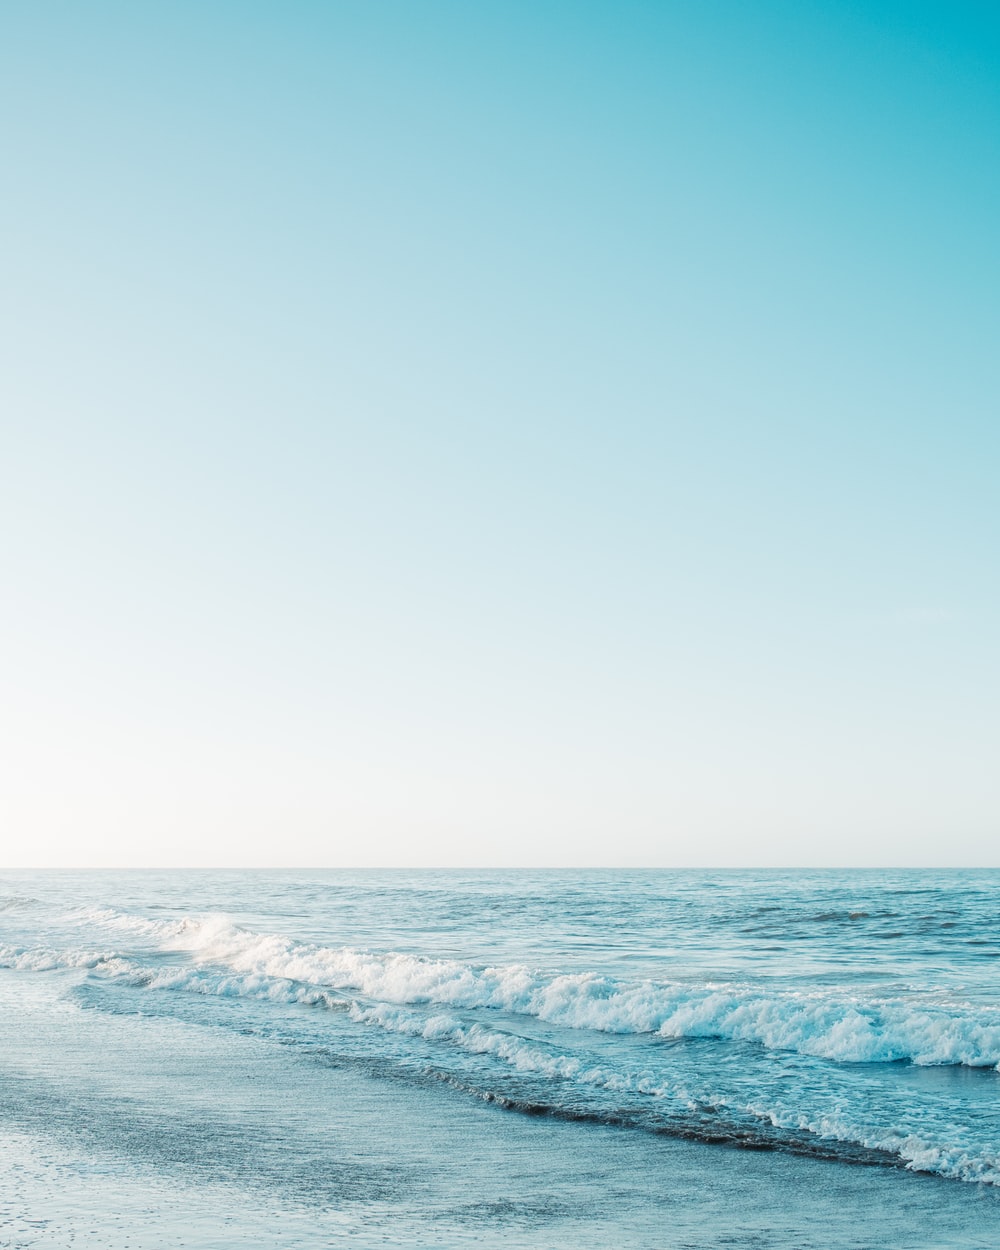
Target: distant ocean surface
517	1058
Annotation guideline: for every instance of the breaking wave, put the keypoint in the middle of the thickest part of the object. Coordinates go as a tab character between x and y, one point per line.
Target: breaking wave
543	1042
837	1026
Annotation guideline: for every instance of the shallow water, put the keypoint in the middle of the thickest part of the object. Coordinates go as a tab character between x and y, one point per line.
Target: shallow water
525	1058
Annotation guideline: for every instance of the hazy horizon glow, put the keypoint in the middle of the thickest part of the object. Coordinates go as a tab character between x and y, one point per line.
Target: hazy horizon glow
488	436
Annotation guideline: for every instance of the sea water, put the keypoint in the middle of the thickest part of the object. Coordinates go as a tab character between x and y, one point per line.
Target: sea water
516	1058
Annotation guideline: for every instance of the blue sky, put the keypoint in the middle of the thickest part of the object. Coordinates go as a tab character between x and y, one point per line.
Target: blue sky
528	433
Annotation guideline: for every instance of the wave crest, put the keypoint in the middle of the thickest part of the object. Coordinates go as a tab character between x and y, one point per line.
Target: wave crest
836	1026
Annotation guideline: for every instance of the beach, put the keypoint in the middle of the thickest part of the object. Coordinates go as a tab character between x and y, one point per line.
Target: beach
166	1079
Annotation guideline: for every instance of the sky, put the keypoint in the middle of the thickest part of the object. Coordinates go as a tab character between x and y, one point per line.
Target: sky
529	433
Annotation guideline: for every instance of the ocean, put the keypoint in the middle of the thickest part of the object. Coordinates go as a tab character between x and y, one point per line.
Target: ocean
518	1058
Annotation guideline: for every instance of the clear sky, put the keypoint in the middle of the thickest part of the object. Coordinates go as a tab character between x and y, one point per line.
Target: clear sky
543	433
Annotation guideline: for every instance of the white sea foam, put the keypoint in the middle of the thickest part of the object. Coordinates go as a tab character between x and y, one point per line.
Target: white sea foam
50	959
960	1161
827	1024
126	922
522	1055
953	1159
450	1003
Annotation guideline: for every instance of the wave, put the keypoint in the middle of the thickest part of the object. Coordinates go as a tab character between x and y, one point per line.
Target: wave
126	922
113	965
232	962
48	959
840	1027
955	1161
705	1115
673	1107
17	902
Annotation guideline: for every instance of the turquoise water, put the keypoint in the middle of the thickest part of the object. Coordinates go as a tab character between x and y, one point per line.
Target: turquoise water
526	1058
